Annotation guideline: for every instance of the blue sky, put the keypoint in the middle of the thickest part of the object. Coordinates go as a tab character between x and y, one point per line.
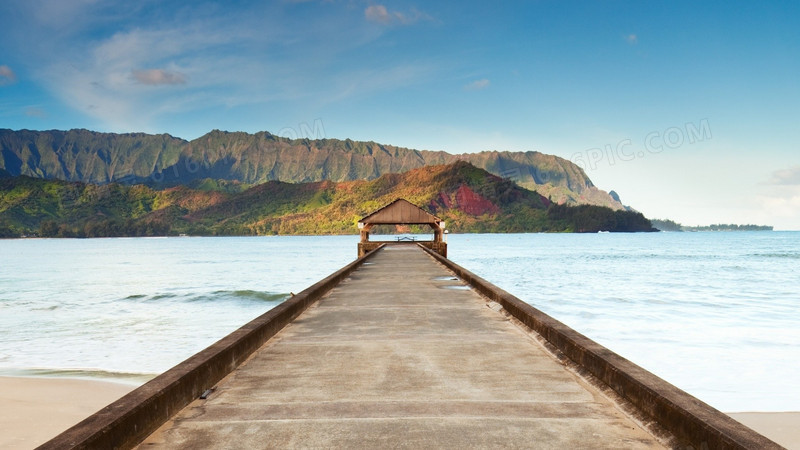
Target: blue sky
688	110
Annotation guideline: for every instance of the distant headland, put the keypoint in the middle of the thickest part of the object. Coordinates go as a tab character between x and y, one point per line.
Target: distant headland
669	225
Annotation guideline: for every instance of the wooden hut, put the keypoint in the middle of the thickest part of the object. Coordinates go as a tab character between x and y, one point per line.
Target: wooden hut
402	212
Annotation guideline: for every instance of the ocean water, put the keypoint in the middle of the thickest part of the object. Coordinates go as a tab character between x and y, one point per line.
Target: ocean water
131	308
716	314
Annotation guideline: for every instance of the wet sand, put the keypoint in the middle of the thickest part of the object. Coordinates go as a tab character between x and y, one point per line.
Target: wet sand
34	410
37	409
781	427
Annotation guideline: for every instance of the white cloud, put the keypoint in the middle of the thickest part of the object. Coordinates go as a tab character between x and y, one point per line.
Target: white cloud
786	177
780	199
785	205
478	85
781	205
212	57
379	14
156	77
7	76
632	39
106	80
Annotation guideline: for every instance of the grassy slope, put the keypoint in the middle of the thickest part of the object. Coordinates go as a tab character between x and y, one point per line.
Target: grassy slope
468	198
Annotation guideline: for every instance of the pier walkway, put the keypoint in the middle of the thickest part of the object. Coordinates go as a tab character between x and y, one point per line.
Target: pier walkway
402	354
405	349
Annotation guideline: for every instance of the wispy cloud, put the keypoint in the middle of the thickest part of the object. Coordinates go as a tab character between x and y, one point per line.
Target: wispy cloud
33	111
380	14
366	81
785	177
215	52
478	85
156	77
632	39
780	198
377	13
145	63
781	205
7	76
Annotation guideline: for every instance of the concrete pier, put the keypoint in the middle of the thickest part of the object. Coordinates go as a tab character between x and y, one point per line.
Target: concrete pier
404	349
402	354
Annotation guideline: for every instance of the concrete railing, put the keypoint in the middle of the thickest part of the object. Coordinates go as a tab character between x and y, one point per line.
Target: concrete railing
694	423
126	422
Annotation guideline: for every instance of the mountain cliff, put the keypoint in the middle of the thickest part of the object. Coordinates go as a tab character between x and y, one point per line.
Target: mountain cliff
163	160
468	198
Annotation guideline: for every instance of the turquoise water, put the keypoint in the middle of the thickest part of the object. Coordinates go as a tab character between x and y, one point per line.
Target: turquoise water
717	314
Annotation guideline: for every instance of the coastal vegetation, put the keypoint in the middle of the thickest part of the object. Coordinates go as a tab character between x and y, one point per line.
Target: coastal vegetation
468	198
670	225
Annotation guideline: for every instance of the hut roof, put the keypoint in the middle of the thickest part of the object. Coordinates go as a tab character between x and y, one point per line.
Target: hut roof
401	212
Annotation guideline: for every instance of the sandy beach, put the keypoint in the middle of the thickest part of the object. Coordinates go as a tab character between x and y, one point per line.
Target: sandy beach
781	427
37	409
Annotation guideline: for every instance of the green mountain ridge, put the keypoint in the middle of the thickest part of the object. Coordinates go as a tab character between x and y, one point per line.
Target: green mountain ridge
468	198
164	161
